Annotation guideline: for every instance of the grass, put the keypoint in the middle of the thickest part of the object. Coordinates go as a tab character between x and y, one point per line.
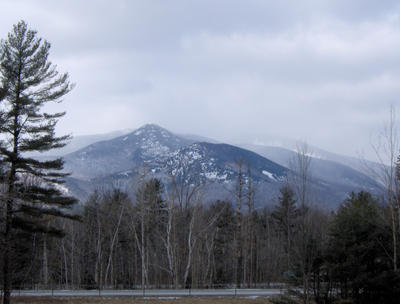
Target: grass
131	300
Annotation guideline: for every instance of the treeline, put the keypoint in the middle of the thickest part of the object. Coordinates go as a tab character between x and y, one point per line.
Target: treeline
171	238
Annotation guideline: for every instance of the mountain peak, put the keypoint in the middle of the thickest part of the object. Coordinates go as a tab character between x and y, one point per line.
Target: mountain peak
147	143
151	127
152	130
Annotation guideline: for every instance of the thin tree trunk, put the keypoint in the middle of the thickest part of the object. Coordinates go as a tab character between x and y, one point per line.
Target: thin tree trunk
191	242
65	263
143	252
45	262
168	246
97	269
72	256
238	234
112	245
6	255
141	247
210	249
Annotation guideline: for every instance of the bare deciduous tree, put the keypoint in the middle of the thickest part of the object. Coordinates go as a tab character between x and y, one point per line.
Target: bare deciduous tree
386	149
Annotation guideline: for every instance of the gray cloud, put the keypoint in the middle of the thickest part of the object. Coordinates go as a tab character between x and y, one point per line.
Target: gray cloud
323	71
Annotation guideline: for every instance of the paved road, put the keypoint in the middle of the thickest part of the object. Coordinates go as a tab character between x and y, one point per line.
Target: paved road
151	292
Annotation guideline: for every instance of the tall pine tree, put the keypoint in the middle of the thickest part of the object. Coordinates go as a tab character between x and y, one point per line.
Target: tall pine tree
286	216
32	195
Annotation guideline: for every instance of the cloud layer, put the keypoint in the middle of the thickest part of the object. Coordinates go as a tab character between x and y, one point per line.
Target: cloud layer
321	71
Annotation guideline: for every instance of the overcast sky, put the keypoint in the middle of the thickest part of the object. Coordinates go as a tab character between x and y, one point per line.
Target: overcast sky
252	70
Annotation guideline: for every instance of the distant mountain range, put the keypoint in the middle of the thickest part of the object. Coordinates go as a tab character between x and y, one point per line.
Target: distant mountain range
115	162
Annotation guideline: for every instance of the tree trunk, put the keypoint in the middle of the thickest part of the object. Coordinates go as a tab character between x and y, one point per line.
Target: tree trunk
72	256
112	246
191	243
45	262
143	250
65	263
6	255
9	209
168	245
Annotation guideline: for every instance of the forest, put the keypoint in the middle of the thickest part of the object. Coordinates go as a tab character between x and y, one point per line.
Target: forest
167	237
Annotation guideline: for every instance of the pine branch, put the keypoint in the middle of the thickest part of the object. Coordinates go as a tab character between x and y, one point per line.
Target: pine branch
35	227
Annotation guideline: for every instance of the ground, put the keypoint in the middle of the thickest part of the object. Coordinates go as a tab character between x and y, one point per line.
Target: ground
131	300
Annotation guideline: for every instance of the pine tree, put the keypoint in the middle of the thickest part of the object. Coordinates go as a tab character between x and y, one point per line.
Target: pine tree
32	195
285	215
357	258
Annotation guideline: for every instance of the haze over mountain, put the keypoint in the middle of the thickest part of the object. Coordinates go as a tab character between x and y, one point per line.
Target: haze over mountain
116	162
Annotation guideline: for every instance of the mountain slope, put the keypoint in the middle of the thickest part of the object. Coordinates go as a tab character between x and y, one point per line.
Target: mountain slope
222	162
323	169
213	166
147	143
115	162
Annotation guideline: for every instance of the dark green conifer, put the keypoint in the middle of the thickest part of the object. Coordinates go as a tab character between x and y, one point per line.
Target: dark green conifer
285	215
357	257
32	195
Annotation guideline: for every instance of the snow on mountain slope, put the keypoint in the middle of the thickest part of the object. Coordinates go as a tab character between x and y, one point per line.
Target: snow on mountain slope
146	144
220	162
116	162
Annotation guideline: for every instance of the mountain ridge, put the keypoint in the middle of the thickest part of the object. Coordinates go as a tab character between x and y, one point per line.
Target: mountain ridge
116	162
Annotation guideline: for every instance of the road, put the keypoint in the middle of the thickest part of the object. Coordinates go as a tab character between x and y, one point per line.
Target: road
151	293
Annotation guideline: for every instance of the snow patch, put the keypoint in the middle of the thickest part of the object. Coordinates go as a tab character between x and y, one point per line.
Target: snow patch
195	155
214	175
125	138
61	188
125	173
269	174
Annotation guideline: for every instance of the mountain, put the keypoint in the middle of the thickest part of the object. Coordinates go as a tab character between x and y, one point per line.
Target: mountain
221	162
215	166
117	161
333	172
148	143
359	164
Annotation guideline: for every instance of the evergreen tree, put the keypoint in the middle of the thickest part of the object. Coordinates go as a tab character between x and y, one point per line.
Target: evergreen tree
358	261
224	250
285	215
28	81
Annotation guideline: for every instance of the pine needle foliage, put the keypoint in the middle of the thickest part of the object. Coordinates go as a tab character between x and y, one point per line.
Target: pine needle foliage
32	194
29	81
